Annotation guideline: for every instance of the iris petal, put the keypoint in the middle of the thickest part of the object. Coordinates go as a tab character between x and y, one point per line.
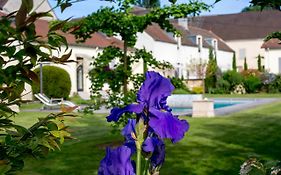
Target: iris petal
157	147
154	89
166	125
116	113
126	132
117	162
129	128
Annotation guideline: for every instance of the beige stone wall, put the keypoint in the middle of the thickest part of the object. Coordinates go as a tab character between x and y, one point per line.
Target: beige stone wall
193	83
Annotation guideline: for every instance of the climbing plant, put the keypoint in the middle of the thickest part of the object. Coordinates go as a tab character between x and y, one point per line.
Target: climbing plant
122	22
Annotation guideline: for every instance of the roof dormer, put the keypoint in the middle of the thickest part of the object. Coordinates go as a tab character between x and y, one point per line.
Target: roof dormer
212	42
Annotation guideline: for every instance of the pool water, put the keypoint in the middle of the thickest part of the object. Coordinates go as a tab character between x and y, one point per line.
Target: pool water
224	104
216	106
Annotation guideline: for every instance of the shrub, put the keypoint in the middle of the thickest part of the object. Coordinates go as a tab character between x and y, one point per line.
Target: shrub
275	85
239	89
251	72
252	84
178	83
233	78
212	72
223	87
197	90
56	82
267	79
181	91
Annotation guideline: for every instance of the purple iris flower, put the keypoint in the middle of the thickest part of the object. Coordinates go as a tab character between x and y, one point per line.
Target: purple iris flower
157	147
127	133
152	103
117	162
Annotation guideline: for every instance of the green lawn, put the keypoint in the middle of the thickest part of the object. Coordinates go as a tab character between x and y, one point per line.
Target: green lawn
212	146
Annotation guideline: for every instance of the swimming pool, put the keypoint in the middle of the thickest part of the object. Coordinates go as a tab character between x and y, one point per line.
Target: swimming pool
217	105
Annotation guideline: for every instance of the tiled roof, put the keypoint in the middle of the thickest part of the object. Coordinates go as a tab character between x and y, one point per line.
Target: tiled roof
193	31
97	39
139	10
272	44
246	25
159	34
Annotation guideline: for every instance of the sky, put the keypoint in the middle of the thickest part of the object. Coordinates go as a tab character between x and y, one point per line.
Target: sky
86	7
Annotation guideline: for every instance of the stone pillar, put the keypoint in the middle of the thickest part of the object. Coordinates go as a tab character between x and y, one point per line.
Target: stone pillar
203	108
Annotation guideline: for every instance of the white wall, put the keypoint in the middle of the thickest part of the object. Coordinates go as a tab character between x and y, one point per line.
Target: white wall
181	57
252	50
272	60
86	53
224	60
39	6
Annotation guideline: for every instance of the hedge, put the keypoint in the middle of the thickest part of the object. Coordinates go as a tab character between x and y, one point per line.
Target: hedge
56	82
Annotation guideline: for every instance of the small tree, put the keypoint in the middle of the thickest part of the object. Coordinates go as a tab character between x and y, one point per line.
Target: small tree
245	64
197	68
260	67
211	77
234	66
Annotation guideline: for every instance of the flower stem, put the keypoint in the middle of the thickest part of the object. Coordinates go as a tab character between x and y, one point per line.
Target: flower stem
140	131
138	161
145	171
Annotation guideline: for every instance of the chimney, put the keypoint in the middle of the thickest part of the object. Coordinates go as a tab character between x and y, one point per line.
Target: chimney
183	22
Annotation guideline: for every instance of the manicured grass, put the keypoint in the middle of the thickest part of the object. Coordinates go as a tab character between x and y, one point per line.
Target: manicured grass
31	105
256	95
212	146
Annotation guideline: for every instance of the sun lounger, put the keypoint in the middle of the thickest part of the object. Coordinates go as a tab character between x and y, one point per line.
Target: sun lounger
47	102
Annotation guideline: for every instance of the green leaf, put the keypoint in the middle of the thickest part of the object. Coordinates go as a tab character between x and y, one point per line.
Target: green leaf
22	130
4	168
8	139
64	6
58	25
52	126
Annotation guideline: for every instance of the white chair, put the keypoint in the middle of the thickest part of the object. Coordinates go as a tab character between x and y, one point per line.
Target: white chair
57	102
46	102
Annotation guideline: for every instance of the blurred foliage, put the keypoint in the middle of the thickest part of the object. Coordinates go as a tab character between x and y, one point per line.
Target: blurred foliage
178	83
197	90
253	166
252	84
233	78
212	72
21	49
181	91
260	67
234	65
251	72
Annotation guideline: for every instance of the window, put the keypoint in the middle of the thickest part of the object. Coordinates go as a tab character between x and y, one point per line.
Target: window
242	54
199	42
215	44
79	74
279	59
80	78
